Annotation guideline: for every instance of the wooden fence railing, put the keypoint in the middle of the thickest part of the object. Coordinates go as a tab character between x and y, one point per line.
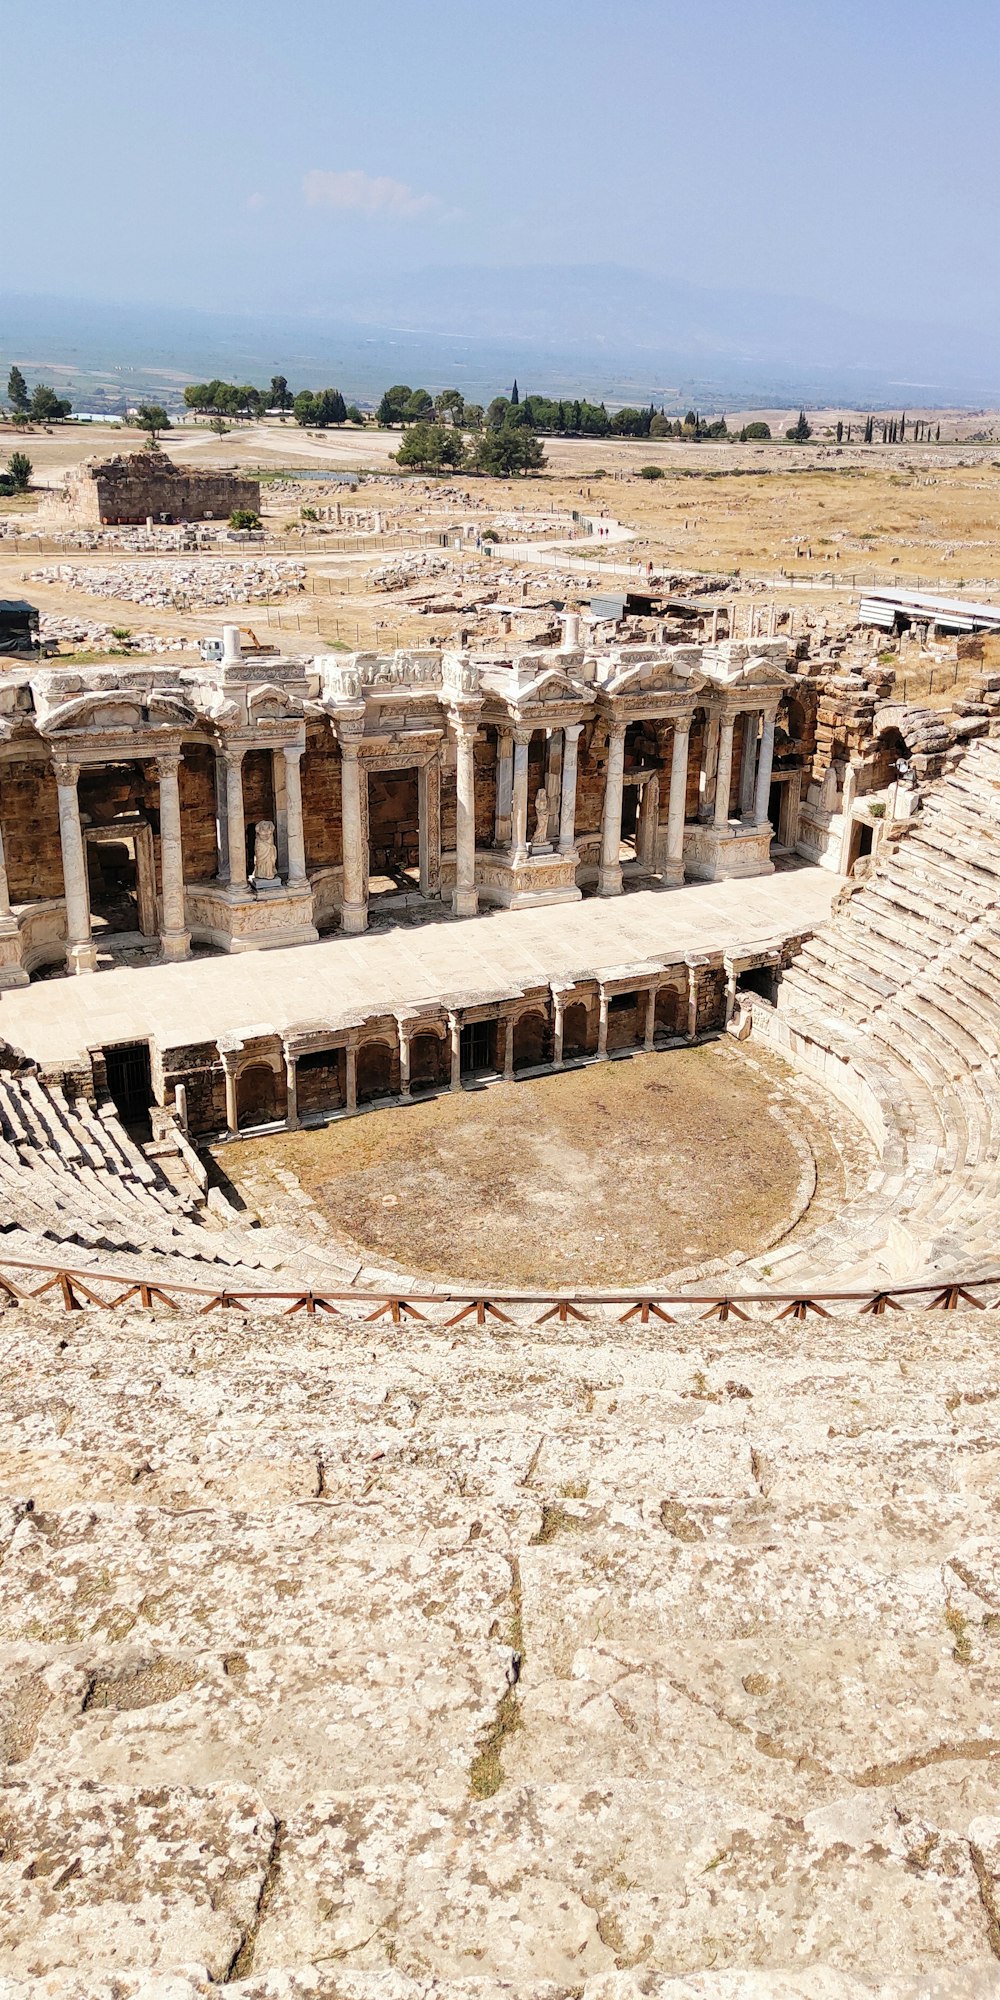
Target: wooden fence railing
108	1290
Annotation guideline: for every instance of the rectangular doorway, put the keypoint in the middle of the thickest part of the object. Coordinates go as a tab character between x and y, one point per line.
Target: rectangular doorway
479	1047
130	1083
393	835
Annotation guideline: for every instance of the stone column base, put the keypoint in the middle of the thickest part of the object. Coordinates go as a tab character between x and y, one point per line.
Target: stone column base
609	880
722	853
82	957
465	902
353	918
175	944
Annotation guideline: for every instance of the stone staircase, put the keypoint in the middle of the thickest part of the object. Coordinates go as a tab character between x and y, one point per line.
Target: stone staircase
896	1004
378	1663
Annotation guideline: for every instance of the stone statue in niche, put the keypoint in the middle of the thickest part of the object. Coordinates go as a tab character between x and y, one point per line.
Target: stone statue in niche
265	853
540	837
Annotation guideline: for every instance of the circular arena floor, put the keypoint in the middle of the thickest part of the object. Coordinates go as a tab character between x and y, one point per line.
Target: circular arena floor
616	1174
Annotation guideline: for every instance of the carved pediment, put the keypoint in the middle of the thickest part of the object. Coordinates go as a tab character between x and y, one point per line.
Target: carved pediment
652	677
118	710
268	703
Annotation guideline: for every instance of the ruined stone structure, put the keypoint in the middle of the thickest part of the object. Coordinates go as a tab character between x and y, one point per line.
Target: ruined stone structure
131	800
147	485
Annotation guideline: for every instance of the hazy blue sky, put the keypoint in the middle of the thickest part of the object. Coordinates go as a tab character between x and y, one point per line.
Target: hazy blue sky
253	155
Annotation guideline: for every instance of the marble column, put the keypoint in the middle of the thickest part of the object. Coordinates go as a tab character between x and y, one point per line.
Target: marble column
465	899
602	1028
677	808
505	788
232	1118
455	1038
221	818
519	801
175	940
648	822
5	910
404	1061
351	1078
235	821
724	773
764	771
558	1023
297	877
508	1048
748	763
650	1018
692	1025
429	810
354	901
609	881
567	802
291	1090
80	953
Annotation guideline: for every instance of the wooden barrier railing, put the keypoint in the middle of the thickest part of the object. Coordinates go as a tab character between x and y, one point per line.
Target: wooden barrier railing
108	1290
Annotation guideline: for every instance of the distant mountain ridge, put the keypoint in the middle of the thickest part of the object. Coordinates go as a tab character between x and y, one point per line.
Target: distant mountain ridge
600	330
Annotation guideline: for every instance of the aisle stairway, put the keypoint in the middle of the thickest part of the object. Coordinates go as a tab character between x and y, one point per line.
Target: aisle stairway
901	989
335	1662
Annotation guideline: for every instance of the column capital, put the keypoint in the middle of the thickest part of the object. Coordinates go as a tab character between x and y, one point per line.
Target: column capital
66	772
573	731
616	730
292	751
168	762
522	733
234	754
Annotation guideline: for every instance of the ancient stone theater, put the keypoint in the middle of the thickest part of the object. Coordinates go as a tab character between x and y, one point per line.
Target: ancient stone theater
376	1623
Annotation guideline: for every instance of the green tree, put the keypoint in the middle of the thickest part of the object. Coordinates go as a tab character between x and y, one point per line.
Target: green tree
431	447
219	426
46	407
419	408
152	418
17	392
472	417
354	415
514	397
800	431
393	405
651	472
280	397
752	432
508	450
19	471
450	405
244	517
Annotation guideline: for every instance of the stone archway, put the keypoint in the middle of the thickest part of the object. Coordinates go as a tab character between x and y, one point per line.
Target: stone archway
374	1073
427	1063
532	1040
256	1096
576	1031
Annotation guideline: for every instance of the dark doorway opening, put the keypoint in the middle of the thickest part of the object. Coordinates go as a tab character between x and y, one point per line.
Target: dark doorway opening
760	979
130	1084
479	1047
630	823
774	805
114	885
393	833
425	1063
374	1072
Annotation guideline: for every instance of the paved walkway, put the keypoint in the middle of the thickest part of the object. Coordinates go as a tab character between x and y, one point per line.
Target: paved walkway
344	979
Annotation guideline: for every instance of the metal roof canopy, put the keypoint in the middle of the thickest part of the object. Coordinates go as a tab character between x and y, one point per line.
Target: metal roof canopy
881	607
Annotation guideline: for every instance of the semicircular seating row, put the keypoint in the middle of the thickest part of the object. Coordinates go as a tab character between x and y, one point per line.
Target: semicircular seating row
895	1004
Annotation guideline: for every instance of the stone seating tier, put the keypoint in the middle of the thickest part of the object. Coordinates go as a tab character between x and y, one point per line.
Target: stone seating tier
379	1662
899	996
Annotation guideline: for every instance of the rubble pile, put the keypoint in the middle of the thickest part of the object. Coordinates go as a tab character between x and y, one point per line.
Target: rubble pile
180	584
92	636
